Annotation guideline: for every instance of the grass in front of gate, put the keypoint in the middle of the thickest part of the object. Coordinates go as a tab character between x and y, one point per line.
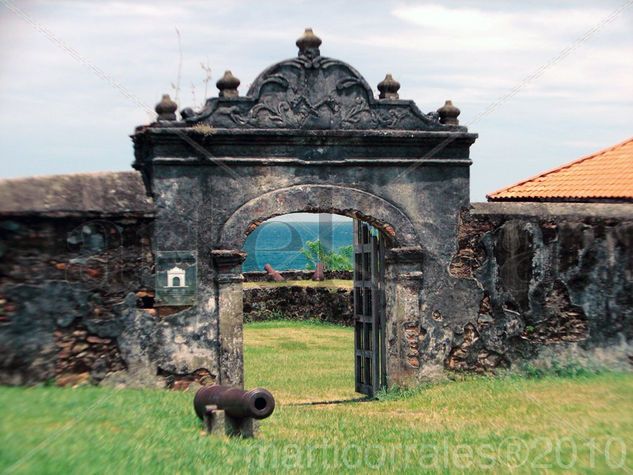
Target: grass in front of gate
570	424
300	361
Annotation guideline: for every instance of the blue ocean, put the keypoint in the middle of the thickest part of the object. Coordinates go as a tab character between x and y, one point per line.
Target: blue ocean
279	243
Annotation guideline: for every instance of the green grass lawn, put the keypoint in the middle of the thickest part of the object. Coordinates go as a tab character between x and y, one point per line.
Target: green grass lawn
581	424
300	362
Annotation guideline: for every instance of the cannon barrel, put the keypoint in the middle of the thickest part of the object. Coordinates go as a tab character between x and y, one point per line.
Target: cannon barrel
257	403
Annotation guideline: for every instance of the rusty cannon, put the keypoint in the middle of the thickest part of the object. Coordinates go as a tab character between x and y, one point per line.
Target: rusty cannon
233	409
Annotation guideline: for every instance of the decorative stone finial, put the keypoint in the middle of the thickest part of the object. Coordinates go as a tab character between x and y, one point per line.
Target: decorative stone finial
309	44
166	108
186	113
448	113
228	84
388	88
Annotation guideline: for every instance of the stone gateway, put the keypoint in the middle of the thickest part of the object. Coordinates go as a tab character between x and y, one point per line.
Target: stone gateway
108	278
309	136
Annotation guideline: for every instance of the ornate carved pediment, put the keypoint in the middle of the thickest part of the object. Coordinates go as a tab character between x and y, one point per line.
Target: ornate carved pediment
312	92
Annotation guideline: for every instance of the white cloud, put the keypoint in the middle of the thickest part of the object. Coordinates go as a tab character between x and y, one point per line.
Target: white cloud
471	54
144	10
477	30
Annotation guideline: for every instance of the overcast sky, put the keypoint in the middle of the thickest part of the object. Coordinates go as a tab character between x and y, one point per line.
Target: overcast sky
72	91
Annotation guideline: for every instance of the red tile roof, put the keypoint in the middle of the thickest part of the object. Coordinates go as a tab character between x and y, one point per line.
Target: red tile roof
604	175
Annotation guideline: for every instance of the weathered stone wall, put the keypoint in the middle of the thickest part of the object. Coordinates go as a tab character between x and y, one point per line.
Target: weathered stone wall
295	302
546	284
61	280
532	284
76	304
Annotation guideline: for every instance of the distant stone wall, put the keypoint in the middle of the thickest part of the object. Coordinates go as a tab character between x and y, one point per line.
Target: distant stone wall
550	284
262	276
332	305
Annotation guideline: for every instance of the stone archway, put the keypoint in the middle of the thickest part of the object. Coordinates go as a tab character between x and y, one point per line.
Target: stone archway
310	198
364	208
310	135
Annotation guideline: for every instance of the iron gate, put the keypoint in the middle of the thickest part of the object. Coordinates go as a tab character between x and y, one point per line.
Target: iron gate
369	309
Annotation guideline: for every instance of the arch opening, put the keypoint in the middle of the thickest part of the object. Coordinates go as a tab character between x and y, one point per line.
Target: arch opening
311	303
296	241
324	199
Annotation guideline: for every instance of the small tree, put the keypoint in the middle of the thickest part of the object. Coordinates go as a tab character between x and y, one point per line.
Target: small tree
316	252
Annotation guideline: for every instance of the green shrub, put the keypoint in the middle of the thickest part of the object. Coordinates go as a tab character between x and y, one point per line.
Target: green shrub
316	252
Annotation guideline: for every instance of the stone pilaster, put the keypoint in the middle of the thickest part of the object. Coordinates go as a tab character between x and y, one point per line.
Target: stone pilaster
228	280
403	288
